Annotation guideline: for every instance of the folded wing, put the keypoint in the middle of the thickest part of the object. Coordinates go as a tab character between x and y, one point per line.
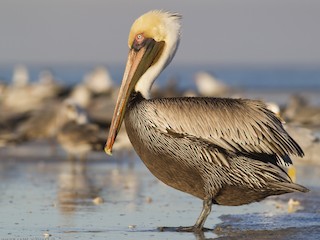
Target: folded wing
224	125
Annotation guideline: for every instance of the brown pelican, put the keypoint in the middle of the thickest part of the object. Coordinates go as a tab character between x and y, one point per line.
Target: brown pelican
223	151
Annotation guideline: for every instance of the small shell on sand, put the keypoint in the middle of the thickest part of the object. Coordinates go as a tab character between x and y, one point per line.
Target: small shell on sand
293	206
97	200
47	235
132	226
148	200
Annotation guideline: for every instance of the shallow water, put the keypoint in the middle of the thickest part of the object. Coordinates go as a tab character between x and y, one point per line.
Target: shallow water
42	194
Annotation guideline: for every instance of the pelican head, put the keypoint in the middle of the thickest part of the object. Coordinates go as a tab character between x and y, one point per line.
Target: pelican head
153	41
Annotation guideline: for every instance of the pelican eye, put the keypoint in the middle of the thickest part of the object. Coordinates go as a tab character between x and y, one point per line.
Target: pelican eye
139	38
139	42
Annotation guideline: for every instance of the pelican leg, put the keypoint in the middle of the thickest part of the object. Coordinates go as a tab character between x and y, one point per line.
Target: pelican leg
198	226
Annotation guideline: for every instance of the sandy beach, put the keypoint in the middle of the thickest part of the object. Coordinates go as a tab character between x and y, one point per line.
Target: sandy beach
46	197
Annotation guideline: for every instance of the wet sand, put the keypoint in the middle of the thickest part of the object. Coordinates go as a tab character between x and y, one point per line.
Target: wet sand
45	197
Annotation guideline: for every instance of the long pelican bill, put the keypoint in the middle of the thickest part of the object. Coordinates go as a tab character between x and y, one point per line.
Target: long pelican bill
137	64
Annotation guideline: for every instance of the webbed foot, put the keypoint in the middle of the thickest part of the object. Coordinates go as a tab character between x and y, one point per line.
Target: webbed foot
184	229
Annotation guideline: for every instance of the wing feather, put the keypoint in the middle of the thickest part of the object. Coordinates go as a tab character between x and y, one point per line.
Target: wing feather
235	125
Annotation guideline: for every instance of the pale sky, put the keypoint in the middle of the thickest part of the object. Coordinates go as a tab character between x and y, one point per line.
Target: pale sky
238	32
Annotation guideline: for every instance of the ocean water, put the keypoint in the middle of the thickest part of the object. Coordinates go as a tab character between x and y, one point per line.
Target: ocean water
249	78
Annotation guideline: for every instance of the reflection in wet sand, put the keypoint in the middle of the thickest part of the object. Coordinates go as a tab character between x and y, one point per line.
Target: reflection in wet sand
123	185
75	187
133	197
79	187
